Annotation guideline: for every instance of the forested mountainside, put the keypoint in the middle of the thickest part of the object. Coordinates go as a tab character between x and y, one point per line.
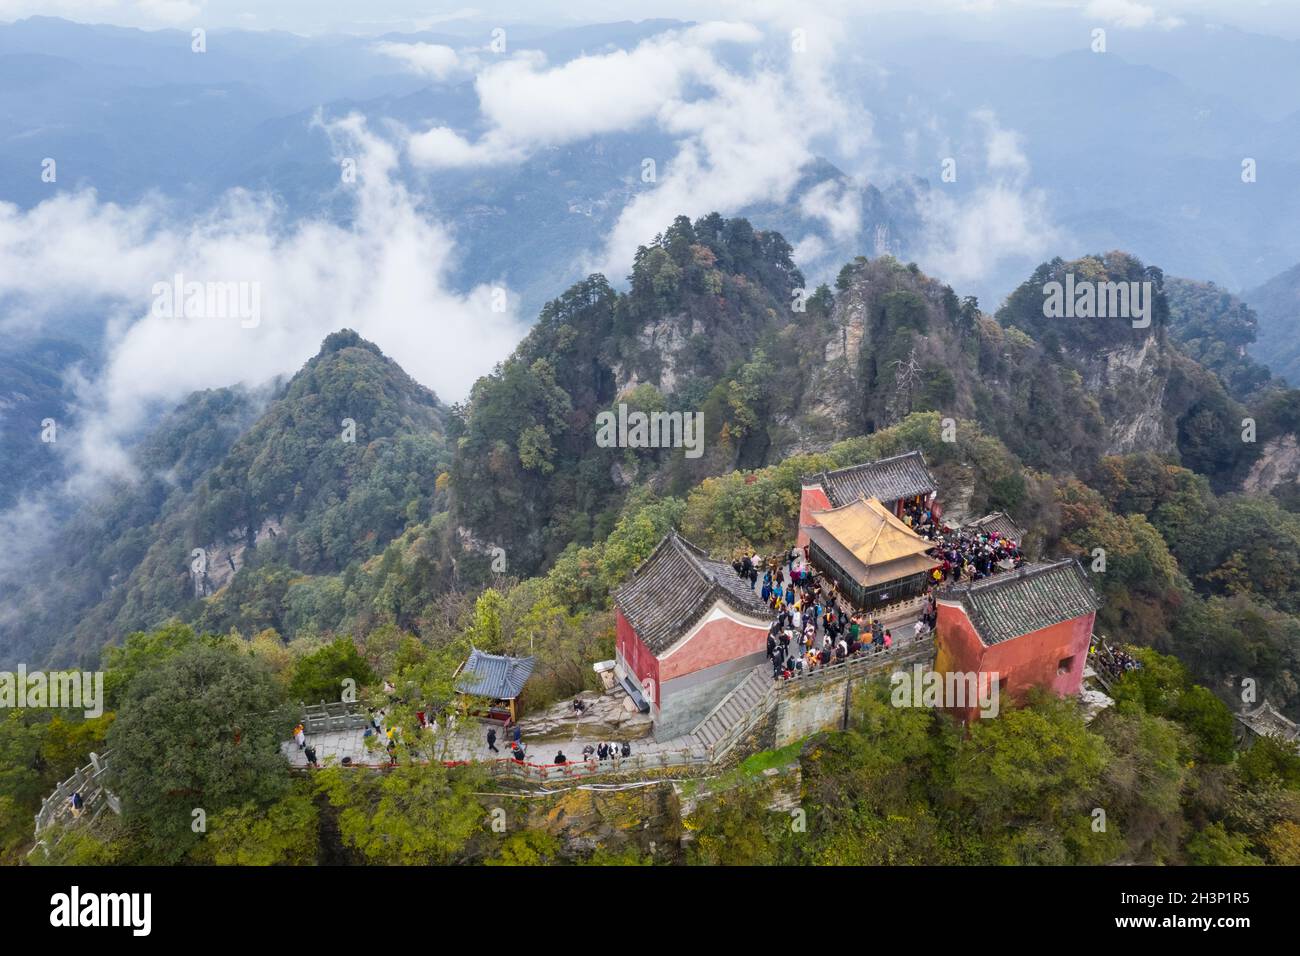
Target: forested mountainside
32	389
1092	434
704	297
898	785
1277	303
287	483
692	333
1220	331
354	527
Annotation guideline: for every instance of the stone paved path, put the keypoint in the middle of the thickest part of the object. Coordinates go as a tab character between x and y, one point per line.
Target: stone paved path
469	742
465	744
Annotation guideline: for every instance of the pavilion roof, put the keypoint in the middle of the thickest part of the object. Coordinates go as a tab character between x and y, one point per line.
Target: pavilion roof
998	521
870	543
494	675
1267	720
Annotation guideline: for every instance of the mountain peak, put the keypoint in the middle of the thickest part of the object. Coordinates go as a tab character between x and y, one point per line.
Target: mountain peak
346	338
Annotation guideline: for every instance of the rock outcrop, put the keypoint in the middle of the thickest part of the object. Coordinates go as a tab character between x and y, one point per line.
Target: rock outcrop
1278	464
607	716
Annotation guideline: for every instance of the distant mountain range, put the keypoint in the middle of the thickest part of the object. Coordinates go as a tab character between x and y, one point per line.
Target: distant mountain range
130	113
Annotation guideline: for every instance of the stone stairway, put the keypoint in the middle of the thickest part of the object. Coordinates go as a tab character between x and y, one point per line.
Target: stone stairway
734	708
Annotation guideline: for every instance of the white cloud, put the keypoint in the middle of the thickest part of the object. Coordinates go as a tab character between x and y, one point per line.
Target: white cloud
1001	146
385	275
1131	14
966	237
745	138
742	136
443	148
838	204
809	250
428	59
527	105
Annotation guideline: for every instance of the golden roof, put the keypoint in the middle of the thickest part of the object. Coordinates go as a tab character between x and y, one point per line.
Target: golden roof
871	532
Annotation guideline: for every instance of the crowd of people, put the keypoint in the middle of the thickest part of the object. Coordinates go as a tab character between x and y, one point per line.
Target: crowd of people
811	627
967	554
919	516
1113	660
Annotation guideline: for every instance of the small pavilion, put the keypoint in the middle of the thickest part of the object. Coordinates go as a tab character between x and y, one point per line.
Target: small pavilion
496	678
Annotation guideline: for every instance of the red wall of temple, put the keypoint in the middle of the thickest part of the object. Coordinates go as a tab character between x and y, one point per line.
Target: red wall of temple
1028	661
716	642
956	645
1032	659
810	500
637	658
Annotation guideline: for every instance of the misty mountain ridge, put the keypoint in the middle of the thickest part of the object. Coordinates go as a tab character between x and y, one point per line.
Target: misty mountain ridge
350	458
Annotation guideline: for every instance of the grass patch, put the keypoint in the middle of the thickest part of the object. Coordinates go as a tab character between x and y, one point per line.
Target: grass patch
765	759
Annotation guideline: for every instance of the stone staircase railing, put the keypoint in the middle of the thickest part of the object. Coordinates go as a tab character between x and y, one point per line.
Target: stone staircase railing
90	782
867	660
738	712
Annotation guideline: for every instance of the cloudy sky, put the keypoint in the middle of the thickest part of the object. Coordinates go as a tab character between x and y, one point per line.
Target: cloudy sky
312	17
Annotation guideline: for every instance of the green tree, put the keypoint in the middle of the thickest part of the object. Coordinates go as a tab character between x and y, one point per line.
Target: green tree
140	652
319	676
734	828
1215	846
201	732
527	848
411	816
281	834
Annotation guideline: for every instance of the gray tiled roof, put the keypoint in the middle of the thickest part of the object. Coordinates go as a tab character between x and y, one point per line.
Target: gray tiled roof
494	675
888	479
1000	522
1268	720
675	586
1028	599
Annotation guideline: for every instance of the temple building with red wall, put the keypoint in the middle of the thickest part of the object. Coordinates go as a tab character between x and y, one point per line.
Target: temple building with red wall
1030	627
689	630
895	482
